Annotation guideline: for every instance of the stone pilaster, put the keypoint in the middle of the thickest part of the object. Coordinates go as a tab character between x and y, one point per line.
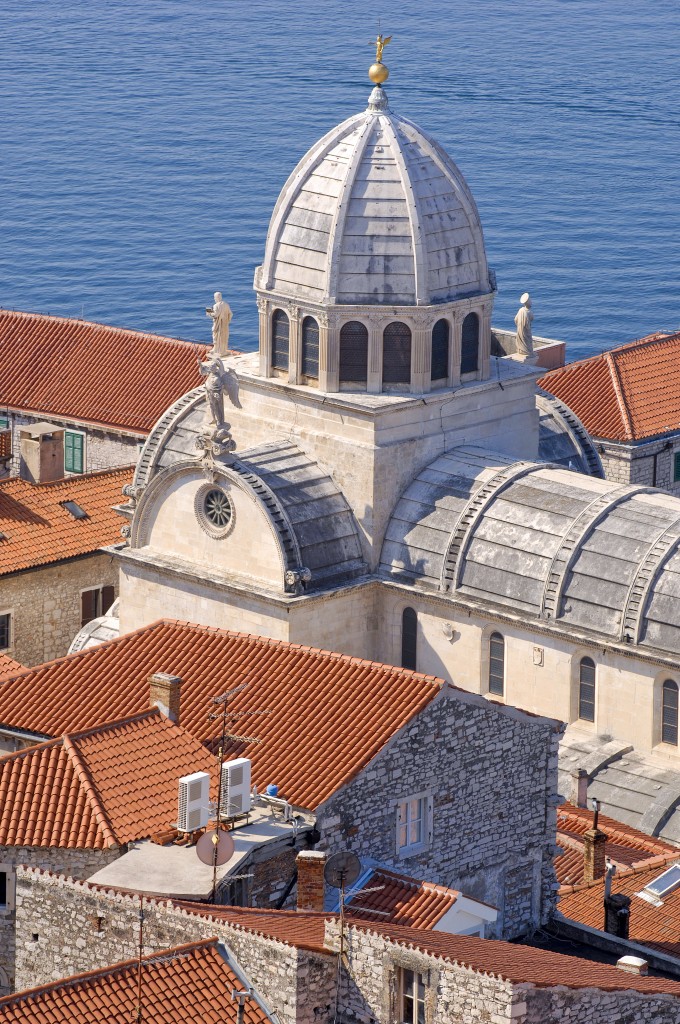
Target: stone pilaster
456	346
329	351
265	337
294	344
375	330
421	354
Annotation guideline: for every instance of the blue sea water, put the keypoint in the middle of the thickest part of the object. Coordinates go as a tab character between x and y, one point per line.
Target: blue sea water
143	146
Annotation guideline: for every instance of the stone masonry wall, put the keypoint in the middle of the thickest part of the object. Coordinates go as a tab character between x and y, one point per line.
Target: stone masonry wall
593	1006
79	863
648	465
45	605
491	776
82	927
103	449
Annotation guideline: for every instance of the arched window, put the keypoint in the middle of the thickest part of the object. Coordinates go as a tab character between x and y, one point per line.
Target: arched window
469	352
669	712
409	638
310	347
397	354
496	664
353	353
586	690
280	337
440	350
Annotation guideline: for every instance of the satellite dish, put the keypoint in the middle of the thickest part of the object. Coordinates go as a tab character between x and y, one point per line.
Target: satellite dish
342	869
215	848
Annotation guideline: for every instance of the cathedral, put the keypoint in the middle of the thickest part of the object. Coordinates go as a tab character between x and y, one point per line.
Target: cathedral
376	481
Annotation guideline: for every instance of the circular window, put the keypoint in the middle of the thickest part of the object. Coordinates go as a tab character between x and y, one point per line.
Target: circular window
215	511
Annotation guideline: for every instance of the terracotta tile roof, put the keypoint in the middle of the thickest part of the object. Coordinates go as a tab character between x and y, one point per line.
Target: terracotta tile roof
302	929
405	900
329	713
92	373
9	667
627	394
39	530
649	925
100	788
521	964
625	845
187	983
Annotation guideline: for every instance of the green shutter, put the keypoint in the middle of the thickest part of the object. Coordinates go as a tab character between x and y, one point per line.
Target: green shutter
676	467
73	452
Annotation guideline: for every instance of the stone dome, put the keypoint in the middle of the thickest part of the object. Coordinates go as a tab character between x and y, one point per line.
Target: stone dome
375	213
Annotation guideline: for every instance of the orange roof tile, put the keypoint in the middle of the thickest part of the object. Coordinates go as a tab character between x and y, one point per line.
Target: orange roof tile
625	845
9	667
187	983
521	964
38	529
100	788
649	925
303	929
404	900
627	394
92	373
329	713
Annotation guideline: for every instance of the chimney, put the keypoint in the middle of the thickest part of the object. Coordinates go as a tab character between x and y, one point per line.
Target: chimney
310	883
579	787
164	694
617	915
594	859
633	964
41	447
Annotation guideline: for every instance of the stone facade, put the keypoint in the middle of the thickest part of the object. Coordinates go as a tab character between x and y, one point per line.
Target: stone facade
650	463
490	780
103	449
45	604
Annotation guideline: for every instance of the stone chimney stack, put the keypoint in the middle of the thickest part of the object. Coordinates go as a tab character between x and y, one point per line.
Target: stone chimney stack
594	859
617	915
310	882
41	446
164	694
579	787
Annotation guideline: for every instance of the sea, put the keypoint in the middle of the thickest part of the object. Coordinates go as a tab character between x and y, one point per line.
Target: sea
143	146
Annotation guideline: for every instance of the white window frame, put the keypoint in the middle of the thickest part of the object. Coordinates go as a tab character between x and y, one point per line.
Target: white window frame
8	611
405	818
419	978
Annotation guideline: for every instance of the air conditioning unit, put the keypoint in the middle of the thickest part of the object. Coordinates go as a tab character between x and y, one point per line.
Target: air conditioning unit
235	795
194	795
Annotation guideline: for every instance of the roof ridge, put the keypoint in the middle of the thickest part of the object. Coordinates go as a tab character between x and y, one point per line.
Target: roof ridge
618	390
101	972
91	791
128	720
26	314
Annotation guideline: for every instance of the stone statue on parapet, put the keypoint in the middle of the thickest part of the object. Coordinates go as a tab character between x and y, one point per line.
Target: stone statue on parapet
221	315
523	320
217	380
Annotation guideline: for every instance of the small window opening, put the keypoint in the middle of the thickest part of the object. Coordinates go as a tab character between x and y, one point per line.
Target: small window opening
74	508
586	690
669	715
409	639
497	664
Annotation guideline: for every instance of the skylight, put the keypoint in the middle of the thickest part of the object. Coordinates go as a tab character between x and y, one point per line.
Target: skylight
74	508
665	883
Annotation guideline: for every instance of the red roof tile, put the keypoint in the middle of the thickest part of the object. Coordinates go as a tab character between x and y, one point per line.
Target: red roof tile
39	530
627	394
187	983
625	845
100	788
302	929
92	373
9	667
649	925
521	964
329	714
404	900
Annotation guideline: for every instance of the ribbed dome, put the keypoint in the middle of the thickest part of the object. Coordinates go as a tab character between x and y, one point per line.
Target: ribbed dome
376	212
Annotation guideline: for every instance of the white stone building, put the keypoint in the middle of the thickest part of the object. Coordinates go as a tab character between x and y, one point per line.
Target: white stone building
398	493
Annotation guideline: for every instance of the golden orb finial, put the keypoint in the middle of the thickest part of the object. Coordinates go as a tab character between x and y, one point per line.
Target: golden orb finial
377	72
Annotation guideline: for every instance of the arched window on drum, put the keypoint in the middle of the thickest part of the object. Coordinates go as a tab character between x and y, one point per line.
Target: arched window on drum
310	347
353	353
440	350
280	340
397	354
469	351
669	712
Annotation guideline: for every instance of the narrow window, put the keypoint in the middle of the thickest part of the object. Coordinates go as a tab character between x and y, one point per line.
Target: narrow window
74	444
411	823
397	354
669	715
310	347
3	888
676	467
496	664
280	338
586	690
440	350
409	638
411	997
94	603
469	353
5	631
353	353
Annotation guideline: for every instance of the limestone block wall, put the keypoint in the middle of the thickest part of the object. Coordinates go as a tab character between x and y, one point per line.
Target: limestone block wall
45	605
490	777
649	465
103	449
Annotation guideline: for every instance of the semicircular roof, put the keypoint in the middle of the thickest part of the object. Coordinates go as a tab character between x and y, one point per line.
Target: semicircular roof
375	212
544	542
